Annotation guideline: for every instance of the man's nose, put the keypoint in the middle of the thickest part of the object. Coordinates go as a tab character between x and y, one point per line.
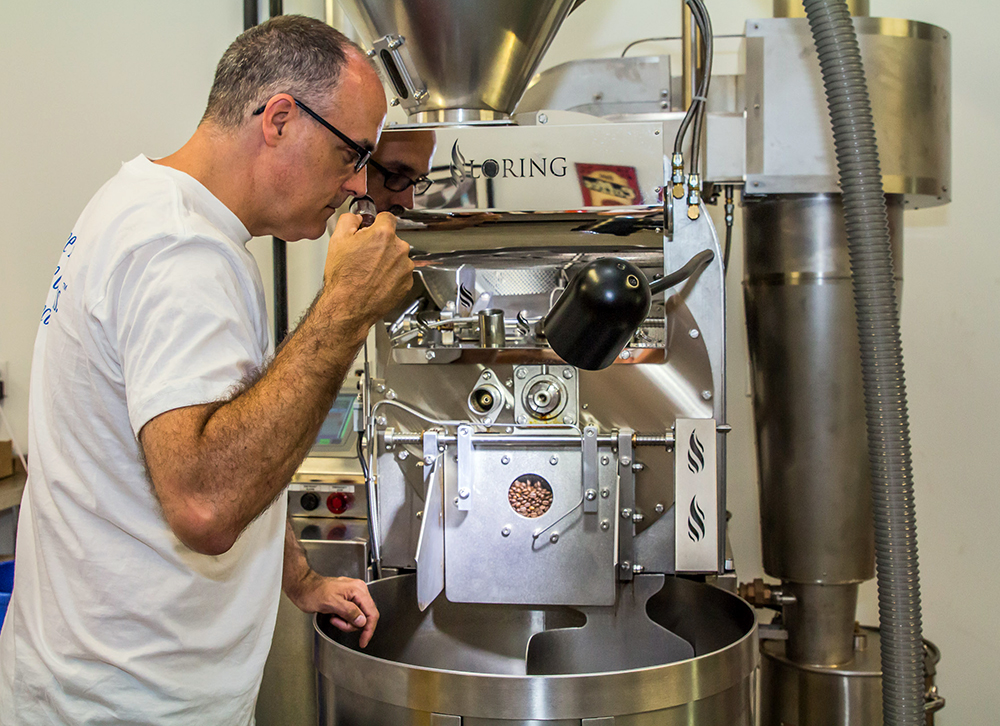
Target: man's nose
357	185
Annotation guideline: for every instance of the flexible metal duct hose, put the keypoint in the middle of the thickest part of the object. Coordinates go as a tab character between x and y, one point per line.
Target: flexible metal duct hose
881	361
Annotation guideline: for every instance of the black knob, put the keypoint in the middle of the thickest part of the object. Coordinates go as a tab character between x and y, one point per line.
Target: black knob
309	501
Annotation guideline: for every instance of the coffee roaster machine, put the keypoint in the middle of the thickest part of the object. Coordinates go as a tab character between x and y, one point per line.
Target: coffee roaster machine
547	532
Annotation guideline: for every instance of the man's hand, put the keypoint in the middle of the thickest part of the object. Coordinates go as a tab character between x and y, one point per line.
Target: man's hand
345	598
370	267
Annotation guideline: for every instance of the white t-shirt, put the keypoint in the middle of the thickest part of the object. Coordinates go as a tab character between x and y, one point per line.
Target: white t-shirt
156	304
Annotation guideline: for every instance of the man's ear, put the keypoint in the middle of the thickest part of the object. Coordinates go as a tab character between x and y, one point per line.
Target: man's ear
276	114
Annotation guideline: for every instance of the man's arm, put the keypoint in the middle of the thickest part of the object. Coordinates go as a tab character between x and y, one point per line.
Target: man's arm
345	598
215	467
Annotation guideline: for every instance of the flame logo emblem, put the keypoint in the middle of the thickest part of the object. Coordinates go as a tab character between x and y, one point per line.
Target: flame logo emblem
696	521
465	296
696	454
458	164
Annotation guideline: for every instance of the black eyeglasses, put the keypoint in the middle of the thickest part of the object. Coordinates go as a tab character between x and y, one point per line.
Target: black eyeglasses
400	182
364	155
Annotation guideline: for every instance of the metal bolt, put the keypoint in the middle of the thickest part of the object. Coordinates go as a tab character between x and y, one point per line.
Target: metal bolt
591	495
390	394
420	515
626	565
394	102
729	564
509	382
487	376
605	460
570	420
381	421
403	455
598	96
656	132
605	525
420	95
456	501
756	184
664	104
625	354
521	374
694	333
396	42
522	419
429	355
464	493
554	460
428	460
505	459
664	93
605	493
567	373
707	395
505	531
626	461
637	517
441	448
380	388
638	466
554	537
657	190
626	513
542	118
638	569
371	53
658	509
487	421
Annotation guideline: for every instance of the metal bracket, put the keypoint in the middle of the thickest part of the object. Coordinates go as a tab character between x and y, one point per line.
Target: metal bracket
590	471
626	507
442	719
430	545
466	471
398	67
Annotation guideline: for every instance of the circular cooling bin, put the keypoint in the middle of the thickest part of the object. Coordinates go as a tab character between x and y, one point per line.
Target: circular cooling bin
468	664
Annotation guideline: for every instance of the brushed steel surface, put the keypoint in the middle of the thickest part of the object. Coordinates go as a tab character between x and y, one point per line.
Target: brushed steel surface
789	143
469	660
816	521
466	54
820	623
795	8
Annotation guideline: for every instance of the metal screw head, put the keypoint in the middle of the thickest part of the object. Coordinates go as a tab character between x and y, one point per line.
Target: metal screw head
420	515
455	500
464	493
605	493
505	459
521	374
428	460
396	42
637	517
420	95
371	53
429	355
605	460
542	118
380	388
505	531
605	525
626	461
625	354
626	513
626	565
554	537
381	420
658	509
570	420
394	102
487	421
554	460
707	395
694	333
591	495
638	569
522	419
487	376
403	455
638	466
567	373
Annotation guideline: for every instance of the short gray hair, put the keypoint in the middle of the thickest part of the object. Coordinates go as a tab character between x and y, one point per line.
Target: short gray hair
286	54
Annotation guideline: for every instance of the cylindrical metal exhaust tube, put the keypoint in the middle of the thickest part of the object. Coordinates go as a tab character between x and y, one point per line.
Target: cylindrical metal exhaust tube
815	482
795	8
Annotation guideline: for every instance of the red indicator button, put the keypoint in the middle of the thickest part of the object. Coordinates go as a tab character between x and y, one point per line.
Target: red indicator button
339	502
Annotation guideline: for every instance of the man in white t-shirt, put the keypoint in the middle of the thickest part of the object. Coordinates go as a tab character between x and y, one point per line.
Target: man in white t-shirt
152	540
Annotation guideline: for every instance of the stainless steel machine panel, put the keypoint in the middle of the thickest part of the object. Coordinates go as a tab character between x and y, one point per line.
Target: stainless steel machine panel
789	144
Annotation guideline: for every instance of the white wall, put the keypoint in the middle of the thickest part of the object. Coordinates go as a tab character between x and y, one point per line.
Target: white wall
87	85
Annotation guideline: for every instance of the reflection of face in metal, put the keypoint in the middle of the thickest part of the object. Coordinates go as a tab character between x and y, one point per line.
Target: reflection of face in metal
408	153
